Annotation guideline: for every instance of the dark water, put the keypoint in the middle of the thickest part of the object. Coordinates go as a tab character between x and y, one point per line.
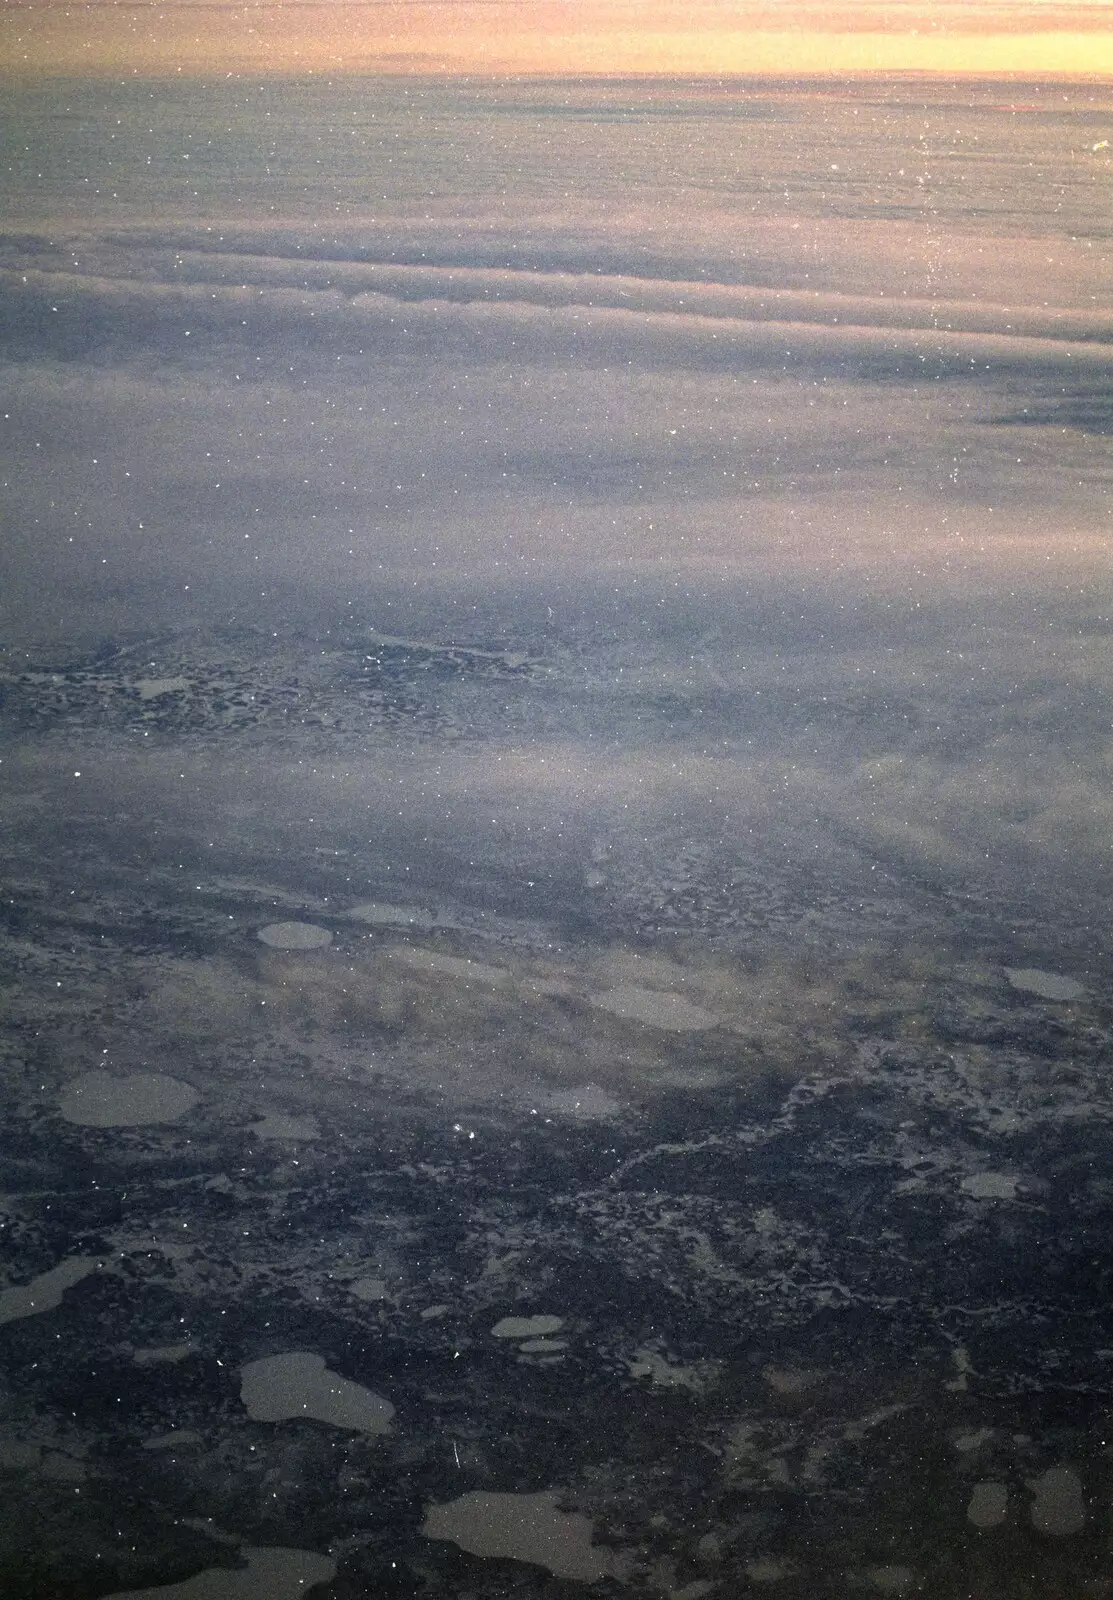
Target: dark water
649	542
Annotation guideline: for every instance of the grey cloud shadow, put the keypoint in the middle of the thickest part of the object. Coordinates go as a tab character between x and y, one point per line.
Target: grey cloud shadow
1085	410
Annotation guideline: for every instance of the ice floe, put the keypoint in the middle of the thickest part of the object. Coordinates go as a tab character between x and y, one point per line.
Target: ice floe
271	1573
295	936
1058	1507
378	914
990	1186
100	1100
298	1384
523	1527
1048	985
460	967
277	1125
45	1292
989	1504
527	1327
656	1008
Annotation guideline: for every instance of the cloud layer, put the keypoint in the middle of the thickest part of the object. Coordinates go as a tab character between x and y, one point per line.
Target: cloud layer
801	505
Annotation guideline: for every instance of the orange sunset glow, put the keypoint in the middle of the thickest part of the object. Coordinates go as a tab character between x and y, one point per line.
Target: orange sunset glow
556	36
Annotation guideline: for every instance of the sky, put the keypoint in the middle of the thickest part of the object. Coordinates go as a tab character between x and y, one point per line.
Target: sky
550	37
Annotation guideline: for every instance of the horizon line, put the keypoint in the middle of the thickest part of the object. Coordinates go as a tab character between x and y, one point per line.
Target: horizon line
215	71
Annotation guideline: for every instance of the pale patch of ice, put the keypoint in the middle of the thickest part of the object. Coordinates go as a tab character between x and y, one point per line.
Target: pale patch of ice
99	1100
587	1101
295	936
990	1186
664	1374
62	1468
461	967
888	1579
769	1571
153	688
381	915
790	1380
1048	985
550	988
16	1455
45	1292
960	1357
1058	1507
369	1289
271	1573
989	1504
25	1456
656	1008
661	1576
155	1355
174	1439
276	1125
299	1385
527	1327
523	1527
966	1443
542	1347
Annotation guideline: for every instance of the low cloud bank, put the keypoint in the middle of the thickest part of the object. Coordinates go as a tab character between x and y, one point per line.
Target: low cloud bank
435	313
